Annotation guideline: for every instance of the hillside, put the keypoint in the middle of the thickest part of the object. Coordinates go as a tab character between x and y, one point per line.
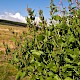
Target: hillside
6	33
7	71
12	23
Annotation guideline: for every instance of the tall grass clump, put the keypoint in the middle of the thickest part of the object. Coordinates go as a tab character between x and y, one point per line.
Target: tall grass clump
51	52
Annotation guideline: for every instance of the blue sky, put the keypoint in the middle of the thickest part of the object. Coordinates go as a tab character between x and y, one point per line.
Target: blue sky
14	6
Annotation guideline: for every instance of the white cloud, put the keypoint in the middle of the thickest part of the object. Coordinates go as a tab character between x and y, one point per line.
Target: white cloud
37	20
17	17
13	17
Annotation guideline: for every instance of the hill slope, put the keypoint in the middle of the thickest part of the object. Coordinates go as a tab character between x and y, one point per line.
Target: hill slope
6	34
8	71
13	23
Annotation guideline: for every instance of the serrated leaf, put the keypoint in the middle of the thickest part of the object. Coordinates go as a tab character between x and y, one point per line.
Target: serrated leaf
68	60
35	52
51	73
68	66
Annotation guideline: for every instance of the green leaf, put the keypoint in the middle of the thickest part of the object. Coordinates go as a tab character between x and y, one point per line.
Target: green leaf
78	63
23	75
68	78
41	37
56	77
35	52
69	0
50	64
15	58
56	17
73	56
68	66
40	69
48	33
32	59
37	63
53	54
68	60
49	78
14	39
50	73
54	68
41	78
26	56
71	39
18	76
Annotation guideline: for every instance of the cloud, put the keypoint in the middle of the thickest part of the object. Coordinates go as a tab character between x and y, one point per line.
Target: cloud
17	17
37	20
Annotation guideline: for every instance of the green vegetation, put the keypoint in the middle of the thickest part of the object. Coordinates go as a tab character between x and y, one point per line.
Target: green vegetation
7	71
52	52
7	32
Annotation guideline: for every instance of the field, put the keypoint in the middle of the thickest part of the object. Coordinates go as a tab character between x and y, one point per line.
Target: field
7	71
48	53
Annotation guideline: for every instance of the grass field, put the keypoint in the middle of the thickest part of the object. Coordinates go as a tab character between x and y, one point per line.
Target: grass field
6	34
8	71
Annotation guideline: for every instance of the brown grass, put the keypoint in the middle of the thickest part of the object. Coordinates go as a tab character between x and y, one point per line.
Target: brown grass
8	71
6	34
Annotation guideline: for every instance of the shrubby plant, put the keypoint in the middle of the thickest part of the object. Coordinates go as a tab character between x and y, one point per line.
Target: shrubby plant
52	53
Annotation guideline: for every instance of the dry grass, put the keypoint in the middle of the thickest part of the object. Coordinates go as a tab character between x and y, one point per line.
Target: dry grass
8	71
6	34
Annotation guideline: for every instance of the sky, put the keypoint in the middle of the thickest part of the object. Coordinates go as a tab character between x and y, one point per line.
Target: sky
18	7
14	6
